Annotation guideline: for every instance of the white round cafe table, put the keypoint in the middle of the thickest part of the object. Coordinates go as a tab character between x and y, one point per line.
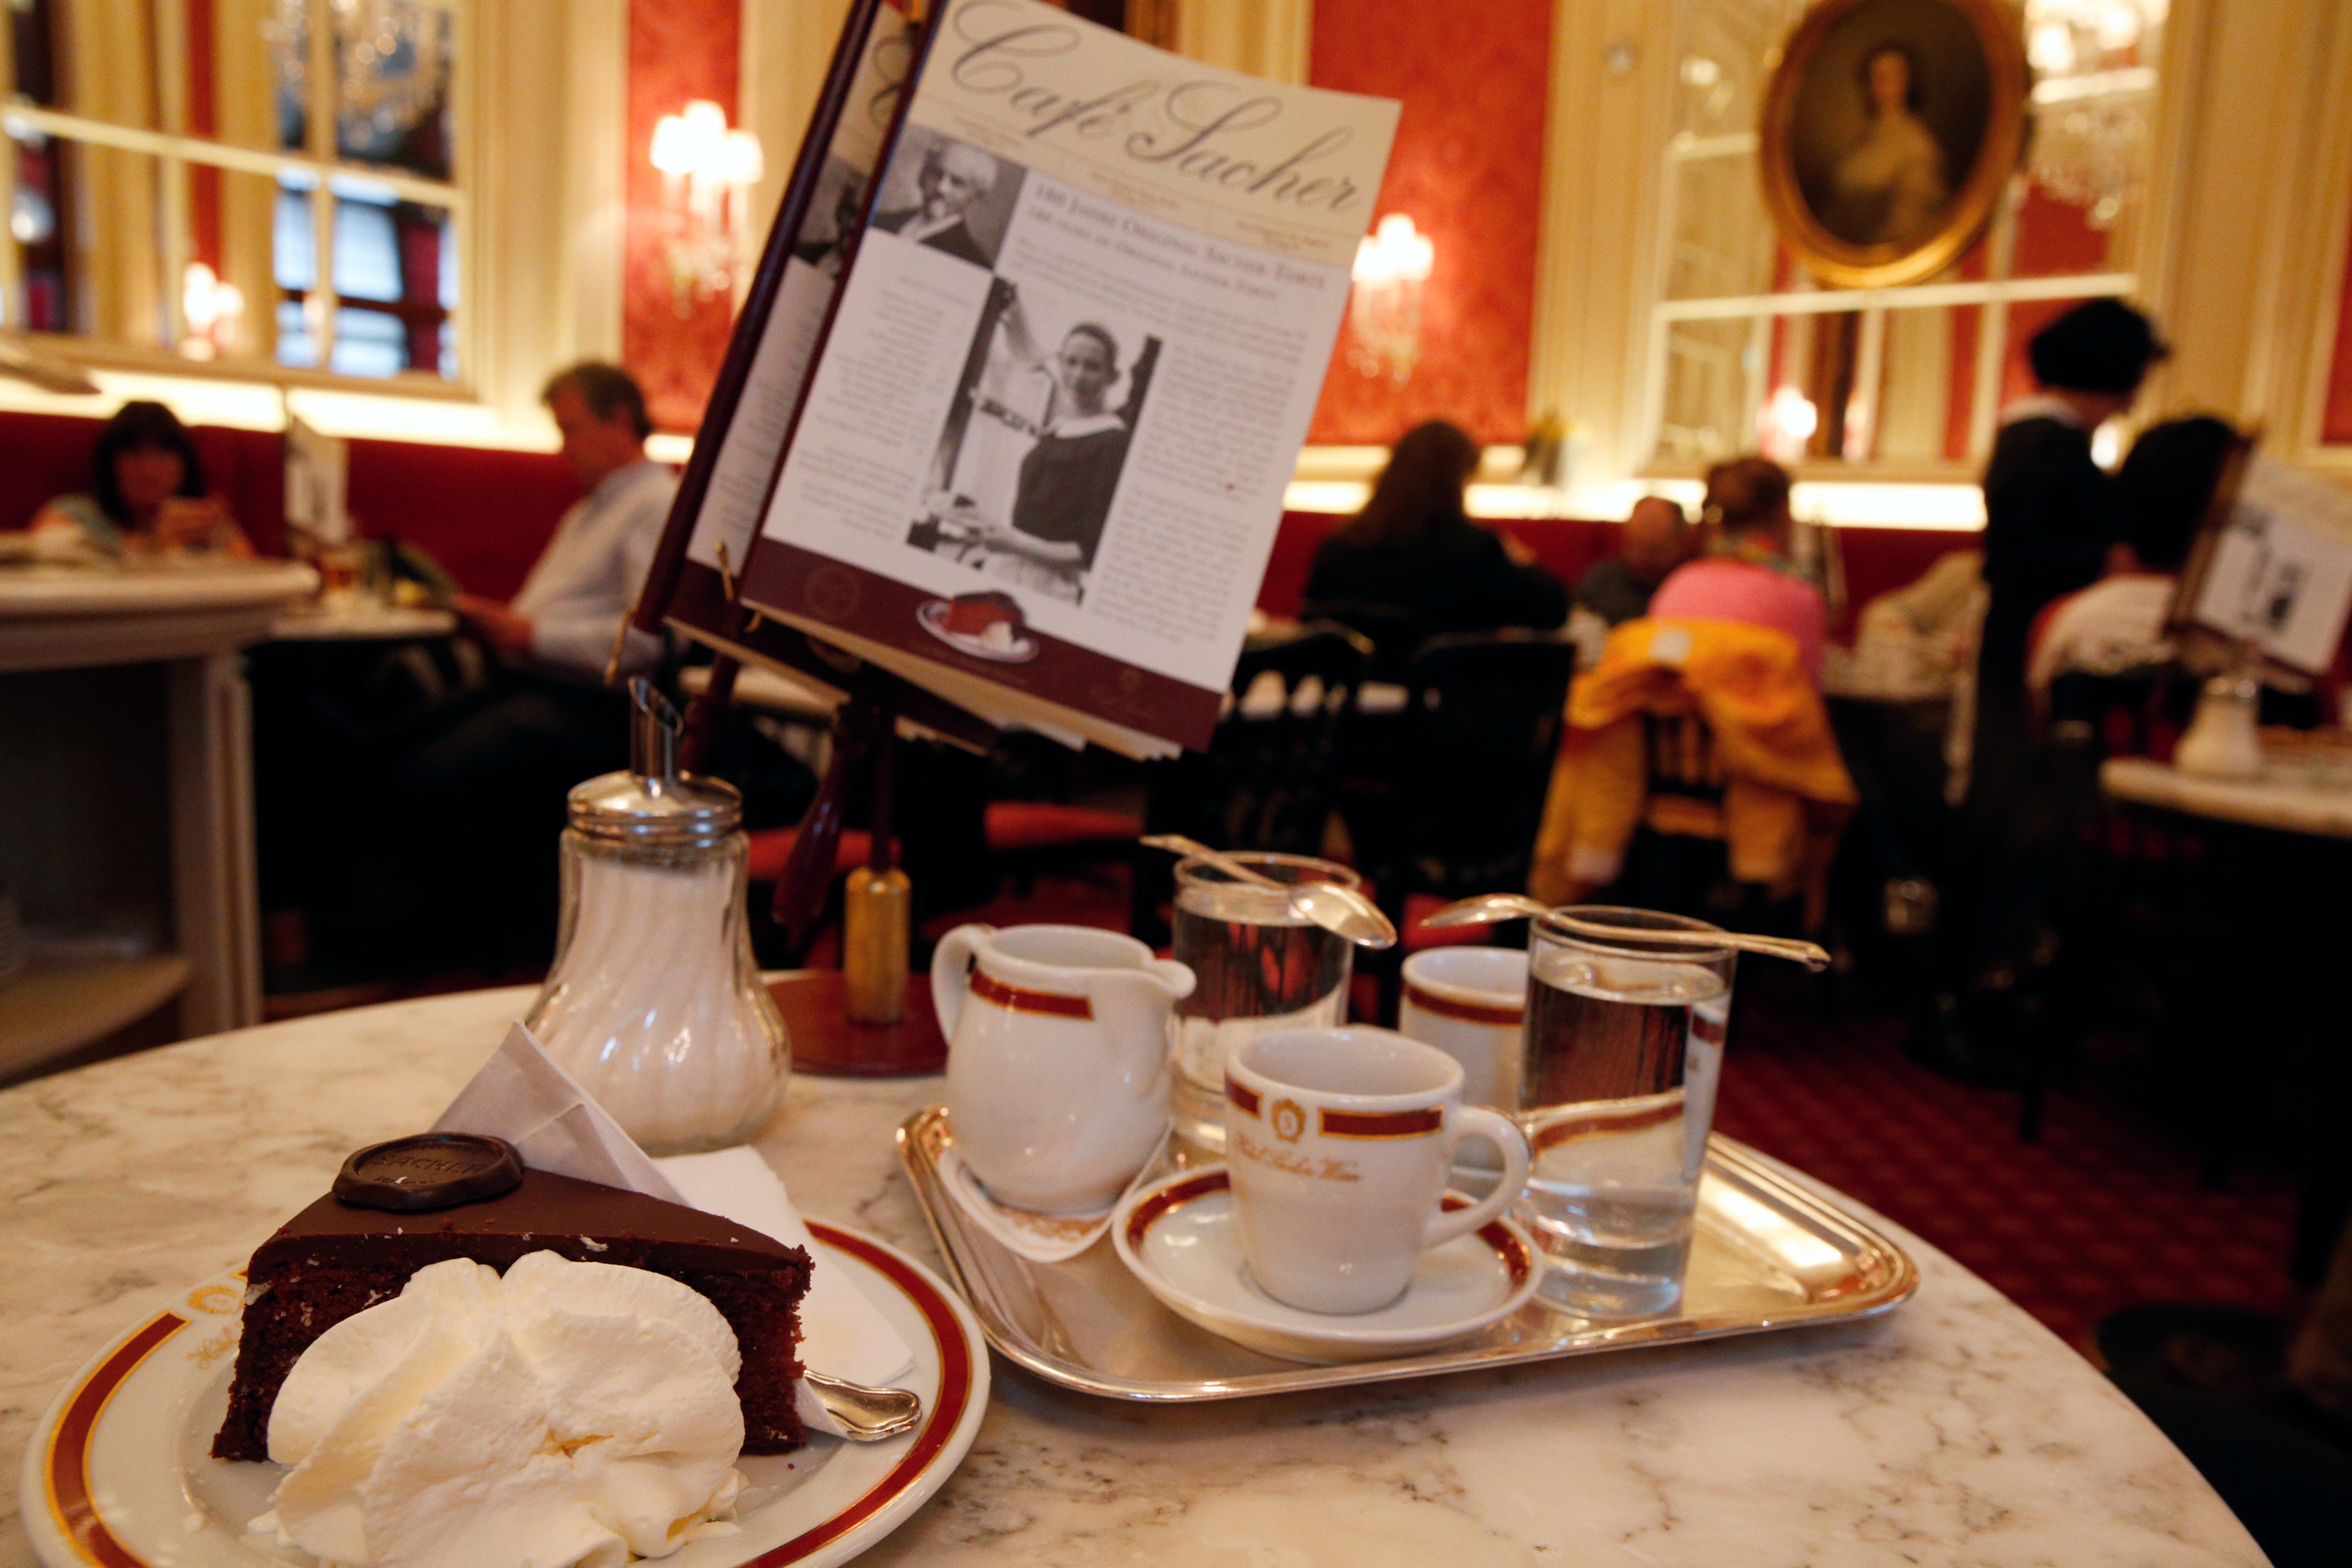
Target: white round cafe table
2284	800
1955	1430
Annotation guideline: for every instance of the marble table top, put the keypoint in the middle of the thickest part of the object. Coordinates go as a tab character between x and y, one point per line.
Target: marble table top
1953	1431
2287	796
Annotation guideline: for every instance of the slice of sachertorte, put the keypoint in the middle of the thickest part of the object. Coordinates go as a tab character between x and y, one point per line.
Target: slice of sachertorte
340	1256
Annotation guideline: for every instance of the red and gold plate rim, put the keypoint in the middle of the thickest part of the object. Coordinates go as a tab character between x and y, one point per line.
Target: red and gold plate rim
79	1519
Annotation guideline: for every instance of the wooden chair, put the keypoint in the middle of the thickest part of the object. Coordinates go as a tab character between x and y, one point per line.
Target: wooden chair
1395	635
1267	780
1481	726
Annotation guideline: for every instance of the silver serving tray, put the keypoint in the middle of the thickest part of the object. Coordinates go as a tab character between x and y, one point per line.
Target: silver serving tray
1768	1255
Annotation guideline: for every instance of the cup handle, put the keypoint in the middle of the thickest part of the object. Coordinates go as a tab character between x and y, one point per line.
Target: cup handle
951	964
1477	1121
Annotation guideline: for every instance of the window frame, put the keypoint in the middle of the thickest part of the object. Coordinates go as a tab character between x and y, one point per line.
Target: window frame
1993	294
176	150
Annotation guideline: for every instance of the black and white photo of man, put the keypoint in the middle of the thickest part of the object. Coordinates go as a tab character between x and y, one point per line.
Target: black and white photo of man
952	180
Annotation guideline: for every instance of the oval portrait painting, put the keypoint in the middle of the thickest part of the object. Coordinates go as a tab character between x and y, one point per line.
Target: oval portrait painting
1889	128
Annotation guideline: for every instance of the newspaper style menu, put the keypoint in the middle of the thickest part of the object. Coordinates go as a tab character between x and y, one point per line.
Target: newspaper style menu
691	583
1042	457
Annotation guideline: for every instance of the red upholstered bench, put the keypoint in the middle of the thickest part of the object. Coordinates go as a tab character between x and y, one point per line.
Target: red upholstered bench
484	513
1018	824
771	847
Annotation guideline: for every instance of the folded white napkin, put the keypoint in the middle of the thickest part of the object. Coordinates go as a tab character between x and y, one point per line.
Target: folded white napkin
521	1095
1039	1238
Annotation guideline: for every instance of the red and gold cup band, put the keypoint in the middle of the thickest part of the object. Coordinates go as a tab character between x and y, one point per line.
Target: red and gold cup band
1015	998
1350	1123
1465	1012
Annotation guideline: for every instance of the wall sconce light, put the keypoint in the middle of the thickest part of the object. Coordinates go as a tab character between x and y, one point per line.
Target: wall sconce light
211	310
707	175
1787	421
1384	309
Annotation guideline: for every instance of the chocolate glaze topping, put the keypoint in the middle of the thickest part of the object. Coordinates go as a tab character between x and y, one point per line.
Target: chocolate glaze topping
429	1171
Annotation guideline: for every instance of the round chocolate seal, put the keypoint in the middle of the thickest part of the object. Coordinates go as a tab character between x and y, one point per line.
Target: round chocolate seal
429	1171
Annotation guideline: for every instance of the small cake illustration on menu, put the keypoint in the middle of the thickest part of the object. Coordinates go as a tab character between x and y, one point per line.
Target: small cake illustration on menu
985	625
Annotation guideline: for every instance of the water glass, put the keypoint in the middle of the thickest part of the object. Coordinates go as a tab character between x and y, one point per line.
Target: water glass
1260	969
1625	1047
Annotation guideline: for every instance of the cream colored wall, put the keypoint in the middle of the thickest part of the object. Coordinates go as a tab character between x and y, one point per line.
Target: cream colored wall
544	253
787	47
1268	38
1612	77
109	49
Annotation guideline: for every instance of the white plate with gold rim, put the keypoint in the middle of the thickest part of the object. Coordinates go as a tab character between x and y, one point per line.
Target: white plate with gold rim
1179	1236
118	1472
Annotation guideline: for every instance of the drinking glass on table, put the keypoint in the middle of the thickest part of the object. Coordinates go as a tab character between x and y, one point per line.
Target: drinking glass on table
1625	1047
1259	968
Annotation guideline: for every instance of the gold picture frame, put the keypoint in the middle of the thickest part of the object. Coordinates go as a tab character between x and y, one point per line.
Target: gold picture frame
1889	128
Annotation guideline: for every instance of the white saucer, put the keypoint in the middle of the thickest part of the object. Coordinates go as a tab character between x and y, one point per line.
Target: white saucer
1177	1236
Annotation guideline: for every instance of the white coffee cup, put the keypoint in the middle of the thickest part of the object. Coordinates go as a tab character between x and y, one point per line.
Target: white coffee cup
1472	1004
1057	1059
1337	1146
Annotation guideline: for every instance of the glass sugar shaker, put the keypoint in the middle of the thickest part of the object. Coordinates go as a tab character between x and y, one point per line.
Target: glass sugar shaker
654	1002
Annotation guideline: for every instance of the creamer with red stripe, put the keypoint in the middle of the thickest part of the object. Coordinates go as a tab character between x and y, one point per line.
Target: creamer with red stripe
1057	1059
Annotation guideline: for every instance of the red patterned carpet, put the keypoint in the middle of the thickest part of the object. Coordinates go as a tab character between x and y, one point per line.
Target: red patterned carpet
2104	1211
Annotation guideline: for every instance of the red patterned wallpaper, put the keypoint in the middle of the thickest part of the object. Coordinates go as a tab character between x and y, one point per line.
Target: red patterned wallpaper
678	49
2335	424
1468	170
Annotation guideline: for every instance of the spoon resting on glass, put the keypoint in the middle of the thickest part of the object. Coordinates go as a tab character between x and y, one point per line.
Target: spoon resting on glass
1487	908
1327	904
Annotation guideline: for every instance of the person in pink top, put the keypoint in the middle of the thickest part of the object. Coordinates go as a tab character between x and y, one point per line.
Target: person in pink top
1745	575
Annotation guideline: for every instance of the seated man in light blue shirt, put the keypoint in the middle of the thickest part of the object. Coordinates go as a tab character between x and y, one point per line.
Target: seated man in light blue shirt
586	582
479	795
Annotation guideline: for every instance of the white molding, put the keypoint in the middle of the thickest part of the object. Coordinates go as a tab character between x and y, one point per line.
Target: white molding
2314	242
1268	38
17	117
1597	241
595	200
786	47
1910	296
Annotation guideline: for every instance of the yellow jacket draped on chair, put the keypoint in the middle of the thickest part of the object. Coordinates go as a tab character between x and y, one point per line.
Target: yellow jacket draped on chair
1720	707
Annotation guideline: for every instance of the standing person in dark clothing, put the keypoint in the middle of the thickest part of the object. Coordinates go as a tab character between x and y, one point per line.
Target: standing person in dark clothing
1414	553
2050	520
2051	525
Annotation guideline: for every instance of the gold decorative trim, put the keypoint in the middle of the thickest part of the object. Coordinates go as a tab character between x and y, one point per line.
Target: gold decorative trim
1840	263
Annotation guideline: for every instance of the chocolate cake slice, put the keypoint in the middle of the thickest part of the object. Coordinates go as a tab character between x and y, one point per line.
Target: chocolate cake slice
340	1256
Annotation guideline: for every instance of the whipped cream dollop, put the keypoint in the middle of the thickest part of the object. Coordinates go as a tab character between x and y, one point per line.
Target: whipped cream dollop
567	1414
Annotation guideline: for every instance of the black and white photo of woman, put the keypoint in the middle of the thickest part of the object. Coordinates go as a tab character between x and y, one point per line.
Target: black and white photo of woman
1045	533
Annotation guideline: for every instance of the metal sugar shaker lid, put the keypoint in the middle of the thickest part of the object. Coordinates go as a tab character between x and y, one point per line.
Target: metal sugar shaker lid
652	805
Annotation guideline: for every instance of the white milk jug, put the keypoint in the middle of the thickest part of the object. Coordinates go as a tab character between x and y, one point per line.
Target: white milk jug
1057	1059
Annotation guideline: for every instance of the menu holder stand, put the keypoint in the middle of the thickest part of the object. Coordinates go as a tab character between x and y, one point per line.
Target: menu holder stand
814	1004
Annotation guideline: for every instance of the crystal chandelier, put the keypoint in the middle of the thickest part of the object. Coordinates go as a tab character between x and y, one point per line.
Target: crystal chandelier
390	60
2093	95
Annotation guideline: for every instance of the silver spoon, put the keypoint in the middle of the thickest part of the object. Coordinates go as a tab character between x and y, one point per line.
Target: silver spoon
1327	904
867	1415
1488	908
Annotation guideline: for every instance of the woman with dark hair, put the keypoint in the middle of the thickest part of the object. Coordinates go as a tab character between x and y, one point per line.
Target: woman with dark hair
1746	575
146	493
1413	551
1069	476
1891	186
2161	494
